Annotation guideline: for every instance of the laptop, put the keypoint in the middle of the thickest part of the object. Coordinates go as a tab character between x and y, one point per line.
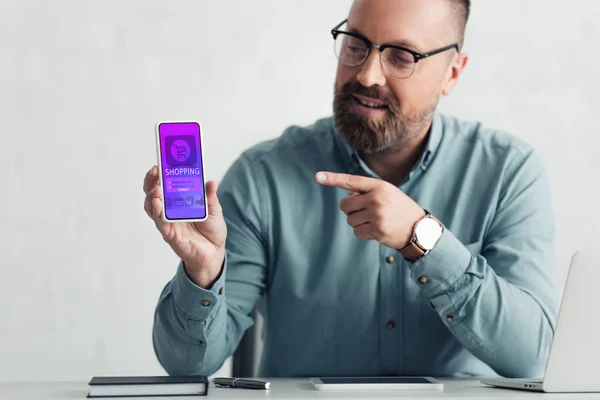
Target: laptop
573	363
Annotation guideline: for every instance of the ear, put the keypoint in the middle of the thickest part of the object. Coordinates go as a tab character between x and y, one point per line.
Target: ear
459	63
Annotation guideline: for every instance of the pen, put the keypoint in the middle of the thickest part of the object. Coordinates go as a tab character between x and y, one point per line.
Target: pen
241	383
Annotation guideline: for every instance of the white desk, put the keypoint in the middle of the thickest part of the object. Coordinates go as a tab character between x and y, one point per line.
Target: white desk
291	389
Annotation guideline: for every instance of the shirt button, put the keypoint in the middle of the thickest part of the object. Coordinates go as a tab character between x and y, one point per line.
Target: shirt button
390	324
390	259
222	290
200	342
423	279
449	318
205	303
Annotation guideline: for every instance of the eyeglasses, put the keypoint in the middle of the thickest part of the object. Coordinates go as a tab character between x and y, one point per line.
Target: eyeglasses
352	49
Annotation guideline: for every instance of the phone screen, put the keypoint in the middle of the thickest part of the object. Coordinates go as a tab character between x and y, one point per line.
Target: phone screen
182	171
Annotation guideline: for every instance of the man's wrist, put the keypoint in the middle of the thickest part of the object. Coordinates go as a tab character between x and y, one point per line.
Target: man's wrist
411	232
426	234
205	277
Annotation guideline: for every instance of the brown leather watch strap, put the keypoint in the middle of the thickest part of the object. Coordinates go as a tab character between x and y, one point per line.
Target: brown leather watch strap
412	252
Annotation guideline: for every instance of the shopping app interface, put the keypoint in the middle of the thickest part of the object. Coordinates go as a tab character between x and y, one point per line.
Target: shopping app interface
182	175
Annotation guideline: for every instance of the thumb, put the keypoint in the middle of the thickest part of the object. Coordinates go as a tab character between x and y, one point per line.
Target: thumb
212	201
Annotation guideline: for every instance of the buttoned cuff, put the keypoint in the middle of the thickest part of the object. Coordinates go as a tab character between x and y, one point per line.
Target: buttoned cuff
196	302
439	269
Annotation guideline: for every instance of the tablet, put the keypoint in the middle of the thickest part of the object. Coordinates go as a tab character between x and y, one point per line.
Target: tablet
376	383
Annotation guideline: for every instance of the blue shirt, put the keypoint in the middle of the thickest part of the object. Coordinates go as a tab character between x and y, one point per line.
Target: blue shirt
336	305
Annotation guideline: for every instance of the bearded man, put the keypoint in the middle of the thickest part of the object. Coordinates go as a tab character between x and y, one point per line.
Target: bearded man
388	239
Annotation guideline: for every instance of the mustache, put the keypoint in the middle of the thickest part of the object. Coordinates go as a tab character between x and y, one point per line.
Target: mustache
350	88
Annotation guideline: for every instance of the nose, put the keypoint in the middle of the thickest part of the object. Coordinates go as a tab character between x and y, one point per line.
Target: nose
371	73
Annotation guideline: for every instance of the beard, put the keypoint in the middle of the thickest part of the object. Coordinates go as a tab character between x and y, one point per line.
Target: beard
376	135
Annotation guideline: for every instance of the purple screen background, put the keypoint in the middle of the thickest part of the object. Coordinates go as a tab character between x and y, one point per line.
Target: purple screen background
183	194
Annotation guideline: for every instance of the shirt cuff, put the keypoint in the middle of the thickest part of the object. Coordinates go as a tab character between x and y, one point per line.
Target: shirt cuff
196	302
442	266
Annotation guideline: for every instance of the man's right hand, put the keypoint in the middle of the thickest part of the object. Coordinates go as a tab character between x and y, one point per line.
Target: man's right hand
201	245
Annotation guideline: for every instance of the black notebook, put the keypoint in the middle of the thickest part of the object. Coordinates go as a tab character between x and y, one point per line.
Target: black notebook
135	386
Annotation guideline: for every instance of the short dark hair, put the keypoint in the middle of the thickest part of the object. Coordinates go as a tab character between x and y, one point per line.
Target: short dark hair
462	9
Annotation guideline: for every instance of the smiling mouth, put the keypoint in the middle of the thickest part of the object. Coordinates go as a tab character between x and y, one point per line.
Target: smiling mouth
370	103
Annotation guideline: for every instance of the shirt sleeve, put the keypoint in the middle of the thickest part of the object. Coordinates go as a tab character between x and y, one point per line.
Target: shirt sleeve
195	329
499	297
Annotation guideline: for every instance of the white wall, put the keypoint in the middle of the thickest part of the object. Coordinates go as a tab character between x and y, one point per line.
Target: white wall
82	84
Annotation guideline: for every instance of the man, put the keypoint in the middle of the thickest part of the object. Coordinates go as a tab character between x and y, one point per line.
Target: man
389	239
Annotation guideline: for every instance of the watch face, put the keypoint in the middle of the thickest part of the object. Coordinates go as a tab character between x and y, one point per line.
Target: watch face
428	232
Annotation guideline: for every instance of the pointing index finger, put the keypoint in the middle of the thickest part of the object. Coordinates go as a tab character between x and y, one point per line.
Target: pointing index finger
354	183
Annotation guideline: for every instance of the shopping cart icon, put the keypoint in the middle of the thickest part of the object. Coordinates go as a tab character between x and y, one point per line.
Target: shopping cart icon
181	150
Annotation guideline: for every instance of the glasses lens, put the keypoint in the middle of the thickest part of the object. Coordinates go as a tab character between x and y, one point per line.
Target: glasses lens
350	50
398	63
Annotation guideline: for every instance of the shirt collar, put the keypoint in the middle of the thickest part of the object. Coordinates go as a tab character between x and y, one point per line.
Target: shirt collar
353	162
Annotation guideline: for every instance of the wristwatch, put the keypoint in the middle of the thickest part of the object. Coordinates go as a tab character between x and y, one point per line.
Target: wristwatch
426	234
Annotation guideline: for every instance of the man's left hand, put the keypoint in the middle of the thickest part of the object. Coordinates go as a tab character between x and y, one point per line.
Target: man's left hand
376	209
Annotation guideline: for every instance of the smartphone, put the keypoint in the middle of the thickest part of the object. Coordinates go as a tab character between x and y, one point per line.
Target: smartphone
181	171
